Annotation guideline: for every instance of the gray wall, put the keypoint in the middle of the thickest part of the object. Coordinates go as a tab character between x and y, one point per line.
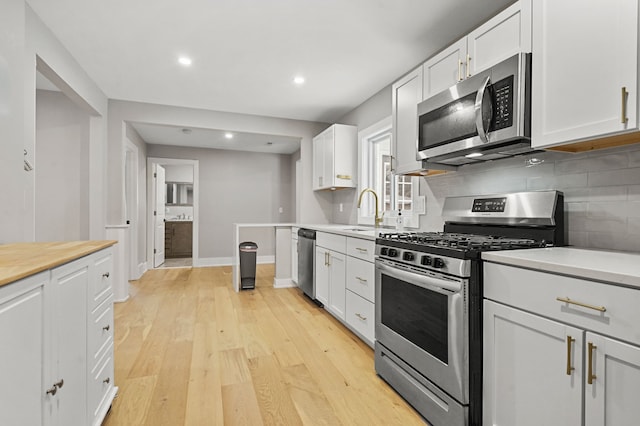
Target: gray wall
140	257
237	187
62	172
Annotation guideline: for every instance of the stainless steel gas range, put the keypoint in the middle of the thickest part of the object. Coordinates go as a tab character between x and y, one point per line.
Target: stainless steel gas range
429	298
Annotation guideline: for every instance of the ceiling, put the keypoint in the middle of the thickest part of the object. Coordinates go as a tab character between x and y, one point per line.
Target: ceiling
246	53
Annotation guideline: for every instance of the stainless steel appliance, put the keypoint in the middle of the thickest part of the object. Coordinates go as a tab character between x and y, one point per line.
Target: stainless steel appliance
484	117
429	298
306	261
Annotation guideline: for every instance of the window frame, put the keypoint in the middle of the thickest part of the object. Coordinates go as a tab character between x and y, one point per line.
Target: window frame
365	214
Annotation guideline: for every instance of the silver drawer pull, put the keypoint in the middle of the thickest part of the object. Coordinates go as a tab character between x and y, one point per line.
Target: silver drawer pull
364	280
361	317
362	249
584	305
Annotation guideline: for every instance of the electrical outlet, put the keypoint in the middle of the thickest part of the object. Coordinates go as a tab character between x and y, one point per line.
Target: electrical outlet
280	210
341	207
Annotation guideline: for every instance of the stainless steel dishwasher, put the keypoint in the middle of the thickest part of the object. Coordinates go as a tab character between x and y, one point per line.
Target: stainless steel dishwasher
306	262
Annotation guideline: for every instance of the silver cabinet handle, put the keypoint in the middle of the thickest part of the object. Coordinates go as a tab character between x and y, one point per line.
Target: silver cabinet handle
468	65
363	280
362	249
459	70
363	318
584	305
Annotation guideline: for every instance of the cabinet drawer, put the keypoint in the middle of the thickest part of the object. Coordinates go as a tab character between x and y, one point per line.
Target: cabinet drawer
100	333
101	385
537	291
363	249
332	241
101	282
361	278
360	316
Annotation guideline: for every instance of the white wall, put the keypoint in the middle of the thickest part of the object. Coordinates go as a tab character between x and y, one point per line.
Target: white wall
23	39
62	172
178	173
236	186
132	136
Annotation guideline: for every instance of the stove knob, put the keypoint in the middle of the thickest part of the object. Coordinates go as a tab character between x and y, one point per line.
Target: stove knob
393	252
384	251
426	260
408	256
438	263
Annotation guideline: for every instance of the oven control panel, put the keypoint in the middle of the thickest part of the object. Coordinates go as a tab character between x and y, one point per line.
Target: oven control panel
449	265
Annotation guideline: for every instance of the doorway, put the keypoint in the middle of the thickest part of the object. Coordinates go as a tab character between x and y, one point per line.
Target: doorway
173	220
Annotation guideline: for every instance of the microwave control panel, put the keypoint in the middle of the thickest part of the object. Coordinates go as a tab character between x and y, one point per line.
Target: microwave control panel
503	104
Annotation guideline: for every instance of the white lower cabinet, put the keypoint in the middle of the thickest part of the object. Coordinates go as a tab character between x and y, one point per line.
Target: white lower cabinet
53	325
22	350
330	280
558	350
345	280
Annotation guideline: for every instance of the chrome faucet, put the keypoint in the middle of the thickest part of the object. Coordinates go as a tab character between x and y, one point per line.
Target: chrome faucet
378	218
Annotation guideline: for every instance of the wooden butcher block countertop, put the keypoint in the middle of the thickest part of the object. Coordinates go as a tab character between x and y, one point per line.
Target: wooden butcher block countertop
20	260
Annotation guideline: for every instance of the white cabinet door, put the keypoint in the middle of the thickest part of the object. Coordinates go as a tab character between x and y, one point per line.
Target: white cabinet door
67	314
583	57
318	161
328	155
406	94
322	275
505	35
21	351
337	284
444	69
526	361
612	396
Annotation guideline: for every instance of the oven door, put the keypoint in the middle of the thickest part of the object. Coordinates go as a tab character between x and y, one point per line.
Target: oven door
422	317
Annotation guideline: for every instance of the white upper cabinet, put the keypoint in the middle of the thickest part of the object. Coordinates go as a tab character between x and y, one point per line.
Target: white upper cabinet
334	158
585	70
406	95
501	37
444	69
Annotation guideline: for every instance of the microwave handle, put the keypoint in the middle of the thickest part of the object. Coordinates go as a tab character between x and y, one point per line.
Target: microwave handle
482	132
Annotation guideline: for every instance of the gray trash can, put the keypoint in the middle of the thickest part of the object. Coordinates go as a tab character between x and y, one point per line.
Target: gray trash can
248	254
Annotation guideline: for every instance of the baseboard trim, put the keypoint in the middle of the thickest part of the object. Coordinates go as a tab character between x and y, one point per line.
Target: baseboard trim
283	283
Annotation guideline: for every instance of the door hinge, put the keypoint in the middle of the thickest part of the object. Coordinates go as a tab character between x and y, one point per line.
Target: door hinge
154	251
155	213
155	175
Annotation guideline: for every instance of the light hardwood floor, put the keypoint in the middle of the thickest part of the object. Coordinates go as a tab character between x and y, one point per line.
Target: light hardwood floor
191	351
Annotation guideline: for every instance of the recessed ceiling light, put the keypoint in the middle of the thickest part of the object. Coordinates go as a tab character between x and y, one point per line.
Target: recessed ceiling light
228	135
186	131
474	155
183	60
298	80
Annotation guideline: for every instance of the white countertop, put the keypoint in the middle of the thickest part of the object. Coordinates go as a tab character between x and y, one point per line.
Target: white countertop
357	231
621	268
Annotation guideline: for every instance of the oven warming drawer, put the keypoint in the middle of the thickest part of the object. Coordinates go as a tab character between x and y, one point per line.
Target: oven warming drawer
432	403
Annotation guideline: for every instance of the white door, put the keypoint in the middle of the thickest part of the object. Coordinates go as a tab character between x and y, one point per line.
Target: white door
158	239
583	57
612	396
532	370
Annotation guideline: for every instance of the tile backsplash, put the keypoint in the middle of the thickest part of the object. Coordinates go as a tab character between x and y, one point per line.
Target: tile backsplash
601	189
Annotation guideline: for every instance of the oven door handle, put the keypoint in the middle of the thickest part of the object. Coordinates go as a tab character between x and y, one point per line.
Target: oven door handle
424	281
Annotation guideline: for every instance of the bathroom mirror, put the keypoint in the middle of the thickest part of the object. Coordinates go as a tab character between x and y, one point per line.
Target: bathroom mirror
179	193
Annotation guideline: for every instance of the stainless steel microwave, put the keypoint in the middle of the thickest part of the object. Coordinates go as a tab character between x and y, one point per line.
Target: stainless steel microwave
485	117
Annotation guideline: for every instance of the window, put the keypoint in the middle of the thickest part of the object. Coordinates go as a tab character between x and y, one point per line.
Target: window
394	192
